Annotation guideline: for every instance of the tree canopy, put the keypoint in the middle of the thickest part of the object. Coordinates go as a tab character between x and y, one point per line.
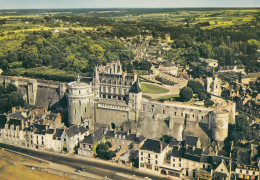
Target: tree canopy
10	97
186	94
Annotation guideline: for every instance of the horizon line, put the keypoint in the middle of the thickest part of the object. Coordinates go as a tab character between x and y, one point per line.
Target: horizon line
239	7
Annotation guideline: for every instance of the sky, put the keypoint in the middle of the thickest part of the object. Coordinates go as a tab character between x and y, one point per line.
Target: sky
53	4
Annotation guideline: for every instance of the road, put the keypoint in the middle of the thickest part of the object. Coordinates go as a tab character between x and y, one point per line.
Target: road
94	167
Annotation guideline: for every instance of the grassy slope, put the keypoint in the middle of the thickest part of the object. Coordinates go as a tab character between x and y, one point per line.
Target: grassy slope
9	170
152	89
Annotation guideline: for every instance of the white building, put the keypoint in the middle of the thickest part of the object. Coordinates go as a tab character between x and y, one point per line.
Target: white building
151	155
71	137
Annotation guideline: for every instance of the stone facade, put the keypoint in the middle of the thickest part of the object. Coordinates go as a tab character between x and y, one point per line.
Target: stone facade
80	103
118	100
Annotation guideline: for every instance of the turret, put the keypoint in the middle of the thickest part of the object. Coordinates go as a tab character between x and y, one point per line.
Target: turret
80	103
219	127
135	98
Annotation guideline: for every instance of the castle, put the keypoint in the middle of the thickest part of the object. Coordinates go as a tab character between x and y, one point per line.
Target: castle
115	99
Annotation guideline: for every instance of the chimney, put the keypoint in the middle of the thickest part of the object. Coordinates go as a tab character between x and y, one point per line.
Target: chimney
22	123
54	130
13	109
179	147
46	127
127	133
160	146
193	148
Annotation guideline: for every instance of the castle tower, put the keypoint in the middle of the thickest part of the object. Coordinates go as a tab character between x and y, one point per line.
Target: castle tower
219	126
80	103
135	98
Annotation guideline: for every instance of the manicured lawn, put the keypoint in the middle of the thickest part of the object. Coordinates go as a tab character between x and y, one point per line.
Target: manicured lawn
169	96
152	89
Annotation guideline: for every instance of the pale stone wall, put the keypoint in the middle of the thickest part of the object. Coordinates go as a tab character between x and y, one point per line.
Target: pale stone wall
80	102
219	127
37	92
108	116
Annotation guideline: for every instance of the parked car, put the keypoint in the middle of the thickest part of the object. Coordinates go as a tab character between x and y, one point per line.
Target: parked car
82	169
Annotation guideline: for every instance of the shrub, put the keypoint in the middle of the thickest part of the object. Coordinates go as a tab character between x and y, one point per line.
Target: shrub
208	103
202	96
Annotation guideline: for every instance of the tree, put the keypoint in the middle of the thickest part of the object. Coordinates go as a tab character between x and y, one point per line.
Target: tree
4	64
208	103
196	86
202	96
205	50
252	46
242	125
109	155
240	130
198	71
109	144
102	149
29	56
10	88
186	94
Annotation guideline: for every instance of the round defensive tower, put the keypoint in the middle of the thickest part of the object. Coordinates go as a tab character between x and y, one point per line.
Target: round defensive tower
80	102
219	126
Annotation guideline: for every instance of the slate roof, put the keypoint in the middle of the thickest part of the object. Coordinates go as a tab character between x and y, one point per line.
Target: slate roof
136	87
139	139
153	145
190	153
174	143
17	115
40	129
110	133
206	159
217	160
243	157
82	129
15	122
58	133
72	131
94	137
191	140
222	153
219	175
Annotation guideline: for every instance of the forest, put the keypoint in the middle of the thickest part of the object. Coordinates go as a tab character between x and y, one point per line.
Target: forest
29	45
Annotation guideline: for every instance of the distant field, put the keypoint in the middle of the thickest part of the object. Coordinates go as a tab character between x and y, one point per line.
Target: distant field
152	89
10	169
216	18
